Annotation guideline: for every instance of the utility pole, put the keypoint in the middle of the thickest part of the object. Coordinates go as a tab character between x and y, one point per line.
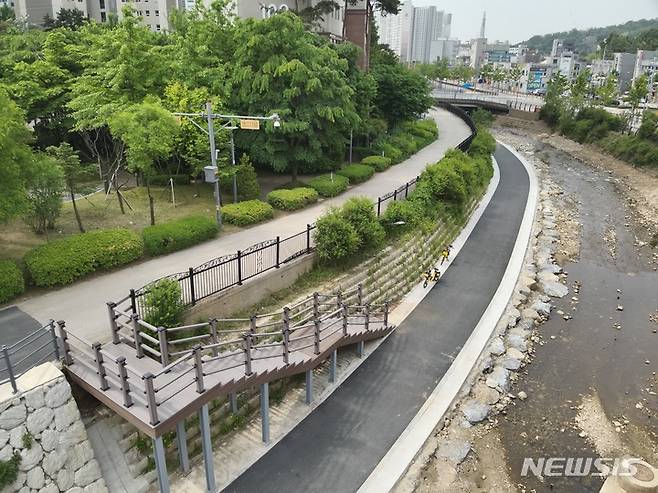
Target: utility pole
213	161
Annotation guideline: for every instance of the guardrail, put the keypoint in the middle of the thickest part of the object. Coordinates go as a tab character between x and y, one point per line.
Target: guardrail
35	348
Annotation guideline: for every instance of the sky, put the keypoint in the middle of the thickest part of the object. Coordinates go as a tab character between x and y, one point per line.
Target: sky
518	20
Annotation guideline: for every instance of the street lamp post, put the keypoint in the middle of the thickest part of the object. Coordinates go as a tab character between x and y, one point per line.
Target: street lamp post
209	116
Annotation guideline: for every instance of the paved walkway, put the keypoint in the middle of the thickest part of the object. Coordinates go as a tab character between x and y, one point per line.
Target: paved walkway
337	446
83	304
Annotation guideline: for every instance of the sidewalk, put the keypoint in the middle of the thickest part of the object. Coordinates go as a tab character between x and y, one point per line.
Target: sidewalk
83	304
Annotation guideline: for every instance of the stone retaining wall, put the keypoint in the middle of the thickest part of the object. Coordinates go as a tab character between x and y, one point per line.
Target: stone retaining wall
43	427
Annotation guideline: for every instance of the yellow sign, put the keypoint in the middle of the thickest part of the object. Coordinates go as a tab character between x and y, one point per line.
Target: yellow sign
250	124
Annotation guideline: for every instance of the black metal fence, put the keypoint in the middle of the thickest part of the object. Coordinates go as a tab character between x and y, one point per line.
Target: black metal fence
224	272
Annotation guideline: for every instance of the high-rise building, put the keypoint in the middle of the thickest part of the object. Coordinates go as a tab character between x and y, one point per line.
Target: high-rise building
625	68
428	25
395	30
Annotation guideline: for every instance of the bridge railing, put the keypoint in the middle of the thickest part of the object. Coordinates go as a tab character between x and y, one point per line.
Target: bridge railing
37	347
274	337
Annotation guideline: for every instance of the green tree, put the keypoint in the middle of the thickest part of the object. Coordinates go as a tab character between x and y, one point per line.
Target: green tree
608	90
16	159
462	73
402	94
554	105
649	128
148	132
280	67
637	93
487	72
44	194
74	171
580	90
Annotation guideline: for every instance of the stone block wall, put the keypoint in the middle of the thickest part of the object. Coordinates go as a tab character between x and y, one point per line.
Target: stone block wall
43	427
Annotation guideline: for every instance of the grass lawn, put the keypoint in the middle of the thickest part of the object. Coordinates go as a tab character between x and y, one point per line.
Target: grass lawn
100	212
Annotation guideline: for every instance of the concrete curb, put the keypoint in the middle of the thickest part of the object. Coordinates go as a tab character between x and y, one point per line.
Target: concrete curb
407	304
396	461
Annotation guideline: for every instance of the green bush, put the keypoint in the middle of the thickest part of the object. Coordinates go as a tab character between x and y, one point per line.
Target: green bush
163	180
328	186
12	280
292	199
163	303
176	235
632	149
380	163
405	143
246	180
392	152
9	470
335	237
356	173
483	144
360	213
401	215
63	261
247	212
590	125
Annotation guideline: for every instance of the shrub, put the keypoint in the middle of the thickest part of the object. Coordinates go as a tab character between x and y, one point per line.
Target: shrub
360	213
9	470
328	186
247	212
392	152
405	143
63	261
380	163
246	180
163	303
402	211
483	144
163	180
45	194
356	173
633	149
12	280
176	235
292	199
482	118
335	237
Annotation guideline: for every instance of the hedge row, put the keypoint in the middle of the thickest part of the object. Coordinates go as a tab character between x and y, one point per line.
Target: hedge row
176	235
12	283
63	261
407	139
356	173
379	163
247	212
329	185
292	199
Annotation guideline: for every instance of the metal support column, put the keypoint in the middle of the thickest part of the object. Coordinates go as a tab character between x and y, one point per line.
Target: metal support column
206	444
332	365
360	348
309	386
181	437
161	464
265	411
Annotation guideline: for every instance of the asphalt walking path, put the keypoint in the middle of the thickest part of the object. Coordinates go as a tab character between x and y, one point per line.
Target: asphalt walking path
337	446
83	304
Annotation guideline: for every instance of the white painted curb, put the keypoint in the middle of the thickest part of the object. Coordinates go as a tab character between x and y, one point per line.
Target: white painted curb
396	461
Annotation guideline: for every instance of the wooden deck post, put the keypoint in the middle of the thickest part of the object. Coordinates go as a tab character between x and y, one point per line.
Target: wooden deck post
206	444
164	349
181	438
150	399
198	369
309	386
113	322
100	367
233	402
65	342
332	365
366	316
214	338
344	314
386	308
53	335
286	335
339	299
161	464
265	411
125	386
247	353
136	335
359	294
316	323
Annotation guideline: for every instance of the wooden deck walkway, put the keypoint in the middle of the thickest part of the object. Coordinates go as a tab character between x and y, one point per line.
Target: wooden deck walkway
156	394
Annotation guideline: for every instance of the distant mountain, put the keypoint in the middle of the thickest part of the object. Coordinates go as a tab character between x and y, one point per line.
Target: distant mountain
587	40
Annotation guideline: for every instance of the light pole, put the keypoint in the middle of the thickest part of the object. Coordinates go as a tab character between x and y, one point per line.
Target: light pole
246	122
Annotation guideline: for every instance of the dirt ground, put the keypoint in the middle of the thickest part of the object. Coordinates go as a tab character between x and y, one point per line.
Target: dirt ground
592	389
